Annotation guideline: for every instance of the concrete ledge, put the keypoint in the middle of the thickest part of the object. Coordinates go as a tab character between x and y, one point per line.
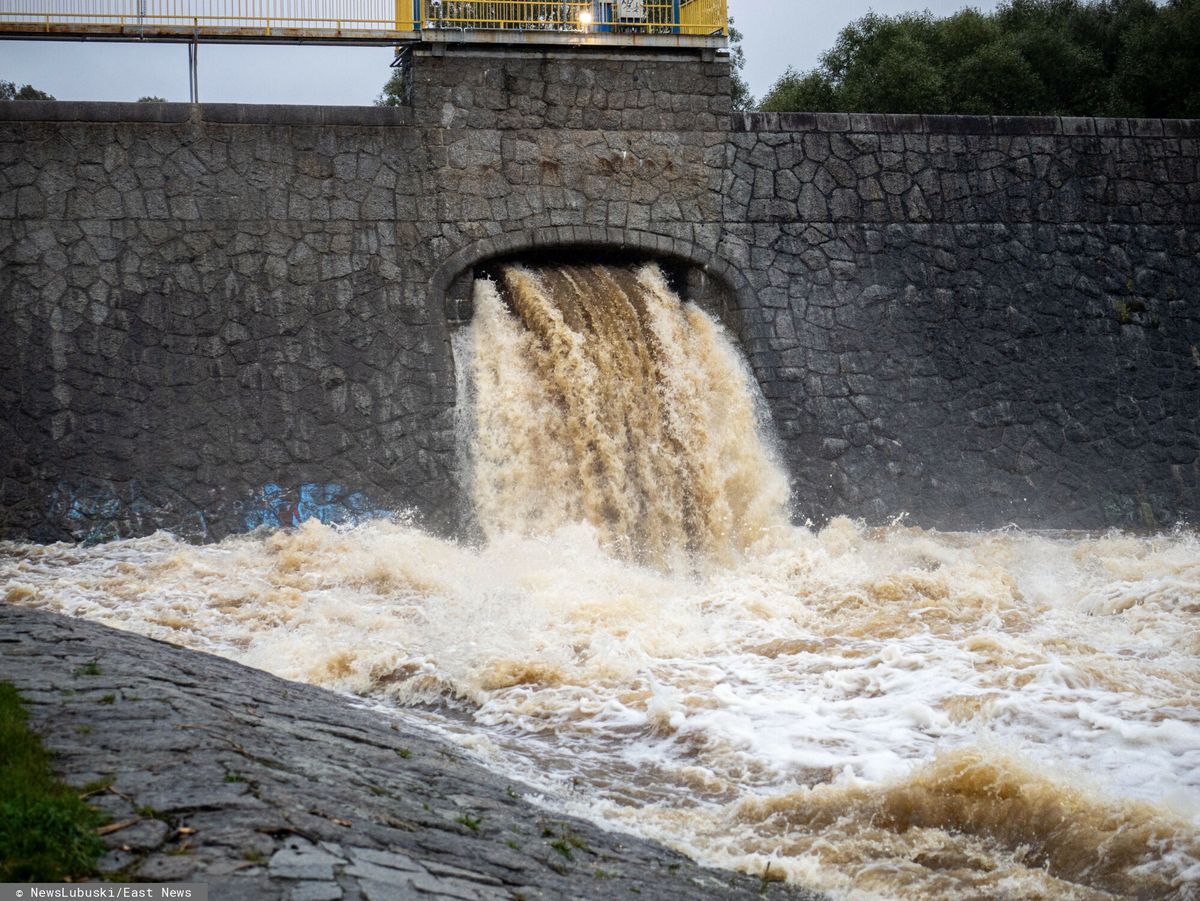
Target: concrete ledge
73	111
383	116
280	114
964	125
216	113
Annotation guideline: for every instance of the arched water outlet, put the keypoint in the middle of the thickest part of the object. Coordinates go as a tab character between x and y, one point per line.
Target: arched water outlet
713	285
591	393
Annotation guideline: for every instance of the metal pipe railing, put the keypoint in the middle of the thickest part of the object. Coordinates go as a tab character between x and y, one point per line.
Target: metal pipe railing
258	15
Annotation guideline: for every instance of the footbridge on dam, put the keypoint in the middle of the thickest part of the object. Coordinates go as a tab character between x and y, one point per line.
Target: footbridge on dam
667	24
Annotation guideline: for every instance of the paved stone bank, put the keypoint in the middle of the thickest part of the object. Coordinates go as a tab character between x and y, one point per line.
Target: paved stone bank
265	789
226	316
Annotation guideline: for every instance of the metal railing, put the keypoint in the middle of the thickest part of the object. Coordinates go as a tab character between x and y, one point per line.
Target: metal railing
526	15
351	19
704	17
265	17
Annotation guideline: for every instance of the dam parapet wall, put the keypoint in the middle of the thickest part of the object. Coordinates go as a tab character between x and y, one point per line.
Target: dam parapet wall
224	316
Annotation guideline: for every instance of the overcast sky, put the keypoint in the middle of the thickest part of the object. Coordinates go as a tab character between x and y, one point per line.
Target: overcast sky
778	34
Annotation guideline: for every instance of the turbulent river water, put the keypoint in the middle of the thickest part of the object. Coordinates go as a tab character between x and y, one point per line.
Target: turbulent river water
641	633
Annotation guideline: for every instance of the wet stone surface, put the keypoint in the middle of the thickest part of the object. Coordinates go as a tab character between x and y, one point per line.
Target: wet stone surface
265	789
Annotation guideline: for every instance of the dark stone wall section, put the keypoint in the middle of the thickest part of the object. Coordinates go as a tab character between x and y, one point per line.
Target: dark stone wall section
225	316
533	91
210	327
976	320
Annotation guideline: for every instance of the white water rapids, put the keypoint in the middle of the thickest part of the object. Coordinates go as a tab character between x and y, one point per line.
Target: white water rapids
879	713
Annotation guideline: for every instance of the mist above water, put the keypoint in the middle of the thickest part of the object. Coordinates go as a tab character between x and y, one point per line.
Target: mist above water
641	634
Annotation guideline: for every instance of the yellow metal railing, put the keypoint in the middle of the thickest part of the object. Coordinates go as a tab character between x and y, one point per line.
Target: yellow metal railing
389	18
698	17
533	15
704	17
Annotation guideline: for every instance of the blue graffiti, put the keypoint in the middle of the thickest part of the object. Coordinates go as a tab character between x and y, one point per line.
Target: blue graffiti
99	512
104	512
331	503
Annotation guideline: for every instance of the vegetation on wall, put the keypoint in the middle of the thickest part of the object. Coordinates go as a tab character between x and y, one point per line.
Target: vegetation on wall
1029	57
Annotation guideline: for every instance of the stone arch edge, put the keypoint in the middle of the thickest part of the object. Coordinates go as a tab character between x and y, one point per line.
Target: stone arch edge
459	263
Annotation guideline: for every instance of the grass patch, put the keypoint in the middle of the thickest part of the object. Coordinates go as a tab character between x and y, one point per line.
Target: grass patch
96	786
469	821
567	841
47	833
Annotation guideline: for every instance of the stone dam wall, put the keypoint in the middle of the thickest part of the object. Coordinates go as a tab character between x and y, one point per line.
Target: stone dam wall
219	317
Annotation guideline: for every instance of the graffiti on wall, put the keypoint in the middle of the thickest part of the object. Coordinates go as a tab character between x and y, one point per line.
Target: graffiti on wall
98	512
277	507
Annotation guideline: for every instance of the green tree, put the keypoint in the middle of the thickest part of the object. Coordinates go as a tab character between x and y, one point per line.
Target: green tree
11	91
1029	57
742	98
886	63
152	99
1158	74
809	91
393	90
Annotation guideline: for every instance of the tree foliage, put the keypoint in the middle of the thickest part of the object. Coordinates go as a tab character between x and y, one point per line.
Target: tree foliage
393	90
1029	57
12	91
742	98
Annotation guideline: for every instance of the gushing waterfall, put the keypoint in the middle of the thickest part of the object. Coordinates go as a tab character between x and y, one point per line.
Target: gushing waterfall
596	395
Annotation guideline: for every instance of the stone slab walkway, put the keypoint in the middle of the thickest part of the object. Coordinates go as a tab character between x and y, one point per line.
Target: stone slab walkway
267	789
